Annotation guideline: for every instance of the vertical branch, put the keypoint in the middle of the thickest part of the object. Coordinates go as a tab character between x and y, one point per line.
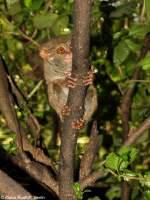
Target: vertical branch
76	97
126	108
7	107
90	153
129	93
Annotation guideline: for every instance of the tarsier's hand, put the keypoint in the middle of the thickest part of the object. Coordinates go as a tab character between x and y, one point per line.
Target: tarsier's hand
71	82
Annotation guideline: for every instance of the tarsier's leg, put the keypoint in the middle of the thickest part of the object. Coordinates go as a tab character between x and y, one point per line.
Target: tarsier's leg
72	82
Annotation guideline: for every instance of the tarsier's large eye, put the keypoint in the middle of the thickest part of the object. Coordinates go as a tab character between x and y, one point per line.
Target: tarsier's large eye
60	50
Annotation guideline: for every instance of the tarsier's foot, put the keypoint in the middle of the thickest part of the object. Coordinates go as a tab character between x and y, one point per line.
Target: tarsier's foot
66	110
88	79
70	81
44	53
78	124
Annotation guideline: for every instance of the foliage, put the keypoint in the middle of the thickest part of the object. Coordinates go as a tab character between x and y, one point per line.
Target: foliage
78	192
117	36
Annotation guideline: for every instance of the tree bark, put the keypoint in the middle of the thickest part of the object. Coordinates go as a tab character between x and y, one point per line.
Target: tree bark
11	189
76	98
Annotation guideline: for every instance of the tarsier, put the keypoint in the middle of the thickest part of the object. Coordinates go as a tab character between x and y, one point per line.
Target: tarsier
57	56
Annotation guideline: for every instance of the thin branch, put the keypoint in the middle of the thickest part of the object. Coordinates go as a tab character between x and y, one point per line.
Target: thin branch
22	34
138	81
91	179
35	89
90	153
134	135
76	97
10	188
23	104
7	107
35	170
129	93
127	101
39	155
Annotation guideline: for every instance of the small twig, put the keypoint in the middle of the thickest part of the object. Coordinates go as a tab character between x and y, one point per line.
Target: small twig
91	179
20	33
142	14
136	81
132	138
129	177
35	89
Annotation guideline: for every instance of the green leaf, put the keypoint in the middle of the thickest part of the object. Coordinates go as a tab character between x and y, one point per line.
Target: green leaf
128	154
139	31
78	192
60	24
6	25
146	176
121	52
44	20
113	193
133	154
147	9
114	162
132	45
94	198
14	9
27	3
147	194
76	187
129	173
36	5
145	62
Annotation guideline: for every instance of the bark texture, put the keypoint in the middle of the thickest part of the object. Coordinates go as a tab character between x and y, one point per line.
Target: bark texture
76	98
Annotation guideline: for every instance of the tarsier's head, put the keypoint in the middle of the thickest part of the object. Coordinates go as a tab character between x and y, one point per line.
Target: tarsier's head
60	48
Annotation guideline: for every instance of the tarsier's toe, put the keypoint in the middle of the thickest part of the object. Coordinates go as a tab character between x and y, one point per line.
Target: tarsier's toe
70	81
78	124
88	79
66	110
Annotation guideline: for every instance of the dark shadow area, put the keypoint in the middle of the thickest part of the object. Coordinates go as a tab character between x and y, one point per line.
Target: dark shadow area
23	178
